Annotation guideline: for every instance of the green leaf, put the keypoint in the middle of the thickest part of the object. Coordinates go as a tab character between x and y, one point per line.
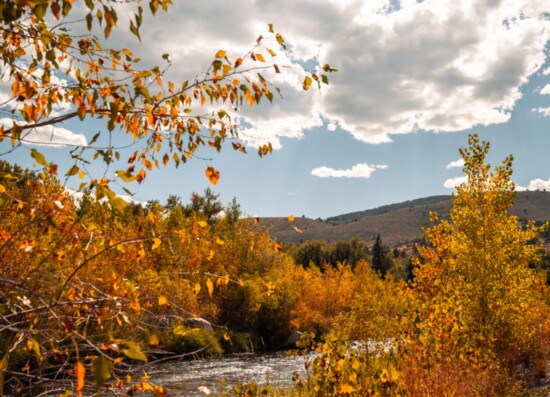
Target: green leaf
133	351
39	11
39	157
217	64
134	30
118	204
101	368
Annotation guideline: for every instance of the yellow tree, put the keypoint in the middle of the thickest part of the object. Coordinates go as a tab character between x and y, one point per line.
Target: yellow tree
480	308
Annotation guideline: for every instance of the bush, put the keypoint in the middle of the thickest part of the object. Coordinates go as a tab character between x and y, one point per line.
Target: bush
194	341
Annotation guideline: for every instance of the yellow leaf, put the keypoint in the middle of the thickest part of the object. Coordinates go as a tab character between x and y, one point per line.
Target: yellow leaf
226	337
210	255
39	157
197	289
384	376
212	175
210	286
307	83
80	373
202	223
219	241
347	389
2	188
156	243
291	218
220	54
162	301
141	254
180	330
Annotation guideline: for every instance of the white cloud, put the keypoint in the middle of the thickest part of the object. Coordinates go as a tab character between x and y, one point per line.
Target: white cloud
435	65
546	72
48	135
456	164
545	90
361	170
439	65
544	111
454	182
535	184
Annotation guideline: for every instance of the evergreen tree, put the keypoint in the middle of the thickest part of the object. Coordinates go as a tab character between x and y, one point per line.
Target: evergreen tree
380	261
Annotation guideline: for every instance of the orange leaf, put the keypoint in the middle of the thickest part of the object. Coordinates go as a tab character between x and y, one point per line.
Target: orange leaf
238	62
80	373
154	340
156	243
162	301
220	54
291	218
212	175
260	57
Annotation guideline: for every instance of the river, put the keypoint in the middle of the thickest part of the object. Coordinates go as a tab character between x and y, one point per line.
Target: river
185	377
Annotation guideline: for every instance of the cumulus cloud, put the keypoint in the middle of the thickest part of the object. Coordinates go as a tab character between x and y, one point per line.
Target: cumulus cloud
454	182
361	170
437	65
456	164
48	135
545	90
535	184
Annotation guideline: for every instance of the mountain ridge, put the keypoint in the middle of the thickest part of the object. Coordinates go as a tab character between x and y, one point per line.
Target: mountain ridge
398	223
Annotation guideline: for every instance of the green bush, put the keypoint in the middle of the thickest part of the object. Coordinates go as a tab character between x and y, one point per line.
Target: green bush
195	341
239	342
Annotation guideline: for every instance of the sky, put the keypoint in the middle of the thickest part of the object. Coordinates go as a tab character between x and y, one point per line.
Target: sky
414	78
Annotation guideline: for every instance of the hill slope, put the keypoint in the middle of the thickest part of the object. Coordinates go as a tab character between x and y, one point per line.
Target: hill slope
396	223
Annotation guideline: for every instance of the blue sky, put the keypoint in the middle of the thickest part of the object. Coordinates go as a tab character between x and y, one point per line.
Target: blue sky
414	79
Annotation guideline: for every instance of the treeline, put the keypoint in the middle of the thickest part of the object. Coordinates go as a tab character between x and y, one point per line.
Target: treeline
381	258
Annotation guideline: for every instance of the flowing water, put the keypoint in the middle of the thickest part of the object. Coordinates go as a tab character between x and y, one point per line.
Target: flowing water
184	378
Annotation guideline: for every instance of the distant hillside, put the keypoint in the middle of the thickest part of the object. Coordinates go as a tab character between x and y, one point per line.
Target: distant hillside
397	224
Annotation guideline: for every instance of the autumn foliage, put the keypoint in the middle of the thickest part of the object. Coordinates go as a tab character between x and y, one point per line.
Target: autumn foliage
475	320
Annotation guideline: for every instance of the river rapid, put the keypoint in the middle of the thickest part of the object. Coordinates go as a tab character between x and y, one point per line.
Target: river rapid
184	378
